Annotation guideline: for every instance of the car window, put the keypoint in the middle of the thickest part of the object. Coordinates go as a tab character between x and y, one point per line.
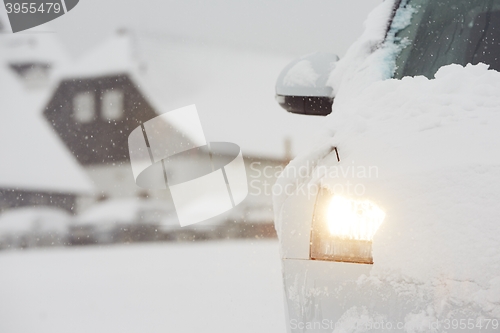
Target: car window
447	32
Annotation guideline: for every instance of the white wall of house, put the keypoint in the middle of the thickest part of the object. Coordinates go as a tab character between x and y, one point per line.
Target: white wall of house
117	181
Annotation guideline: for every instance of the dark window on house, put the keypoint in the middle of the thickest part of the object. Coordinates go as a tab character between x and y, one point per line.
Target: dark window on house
84	107
112	104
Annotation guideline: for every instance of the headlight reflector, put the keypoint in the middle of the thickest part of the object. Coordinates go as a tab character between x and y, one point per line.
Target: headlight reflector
353	219
343	228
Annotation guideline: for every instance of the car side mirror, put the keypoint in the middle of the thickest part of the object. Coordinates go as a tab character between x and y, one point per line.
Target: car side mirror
302	85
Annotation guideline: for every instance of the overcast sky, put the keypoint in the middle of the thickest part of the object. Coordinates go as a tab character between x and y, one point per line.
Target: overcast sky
292	27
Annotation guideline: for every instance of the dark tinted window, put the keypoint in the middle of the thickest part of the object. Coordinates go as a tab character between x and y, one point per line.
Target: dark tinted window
449	31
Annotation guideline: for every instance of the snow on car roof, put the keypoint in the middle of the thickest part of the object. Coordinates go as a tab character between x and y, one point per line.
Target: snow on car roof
33	156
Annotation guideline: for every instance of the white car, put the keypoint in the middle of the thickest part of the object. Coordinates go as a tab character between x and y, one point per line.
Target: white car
392	223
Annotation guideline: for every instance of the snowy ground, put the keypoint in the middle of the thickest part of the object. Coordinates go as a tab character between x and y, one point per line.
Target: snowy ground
204	287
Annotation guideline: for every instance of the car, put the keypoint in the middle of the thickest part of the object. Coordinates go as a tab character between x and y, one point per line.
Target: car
391	223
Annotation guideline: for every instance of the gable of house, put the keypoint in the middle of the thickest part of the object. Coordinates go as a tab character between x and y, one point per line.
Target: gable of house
94	116
99	101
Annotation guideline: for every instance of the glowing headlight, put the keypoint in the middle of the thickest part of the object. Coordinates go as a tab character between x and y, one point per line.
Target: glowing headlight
343	229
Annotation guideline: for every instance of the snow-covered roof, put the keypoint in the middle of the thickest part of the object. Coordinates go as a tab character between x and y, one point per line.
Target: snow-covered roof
33	156
233	89
118	56
115	56
37	47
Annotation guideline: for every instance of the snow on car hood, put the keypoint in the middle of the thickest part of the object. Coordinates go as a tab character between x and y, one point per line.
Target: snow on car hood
426	152
434	145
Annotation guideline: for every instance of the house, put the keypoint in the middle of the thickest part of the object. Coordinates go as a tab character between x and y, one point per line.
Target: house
95	106
94	103
81	113
113	89
35	167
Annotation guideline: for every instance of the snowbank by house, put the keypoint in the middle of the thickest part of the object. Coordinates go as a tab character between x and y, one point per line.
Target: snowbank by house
33	227
33	220
125	211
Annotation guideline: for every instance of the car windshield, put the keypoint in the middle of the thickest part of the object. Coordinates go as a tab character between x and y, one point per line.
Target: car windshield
444	32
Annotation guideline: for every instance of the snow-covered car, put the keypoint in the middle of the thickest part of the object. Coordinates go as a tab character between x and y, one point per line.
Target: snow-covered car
392	223
33	227
122	220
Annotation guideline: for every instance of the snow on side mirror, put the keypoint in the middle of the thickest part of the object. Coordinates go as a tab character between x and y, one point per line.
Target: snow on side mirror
302	85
